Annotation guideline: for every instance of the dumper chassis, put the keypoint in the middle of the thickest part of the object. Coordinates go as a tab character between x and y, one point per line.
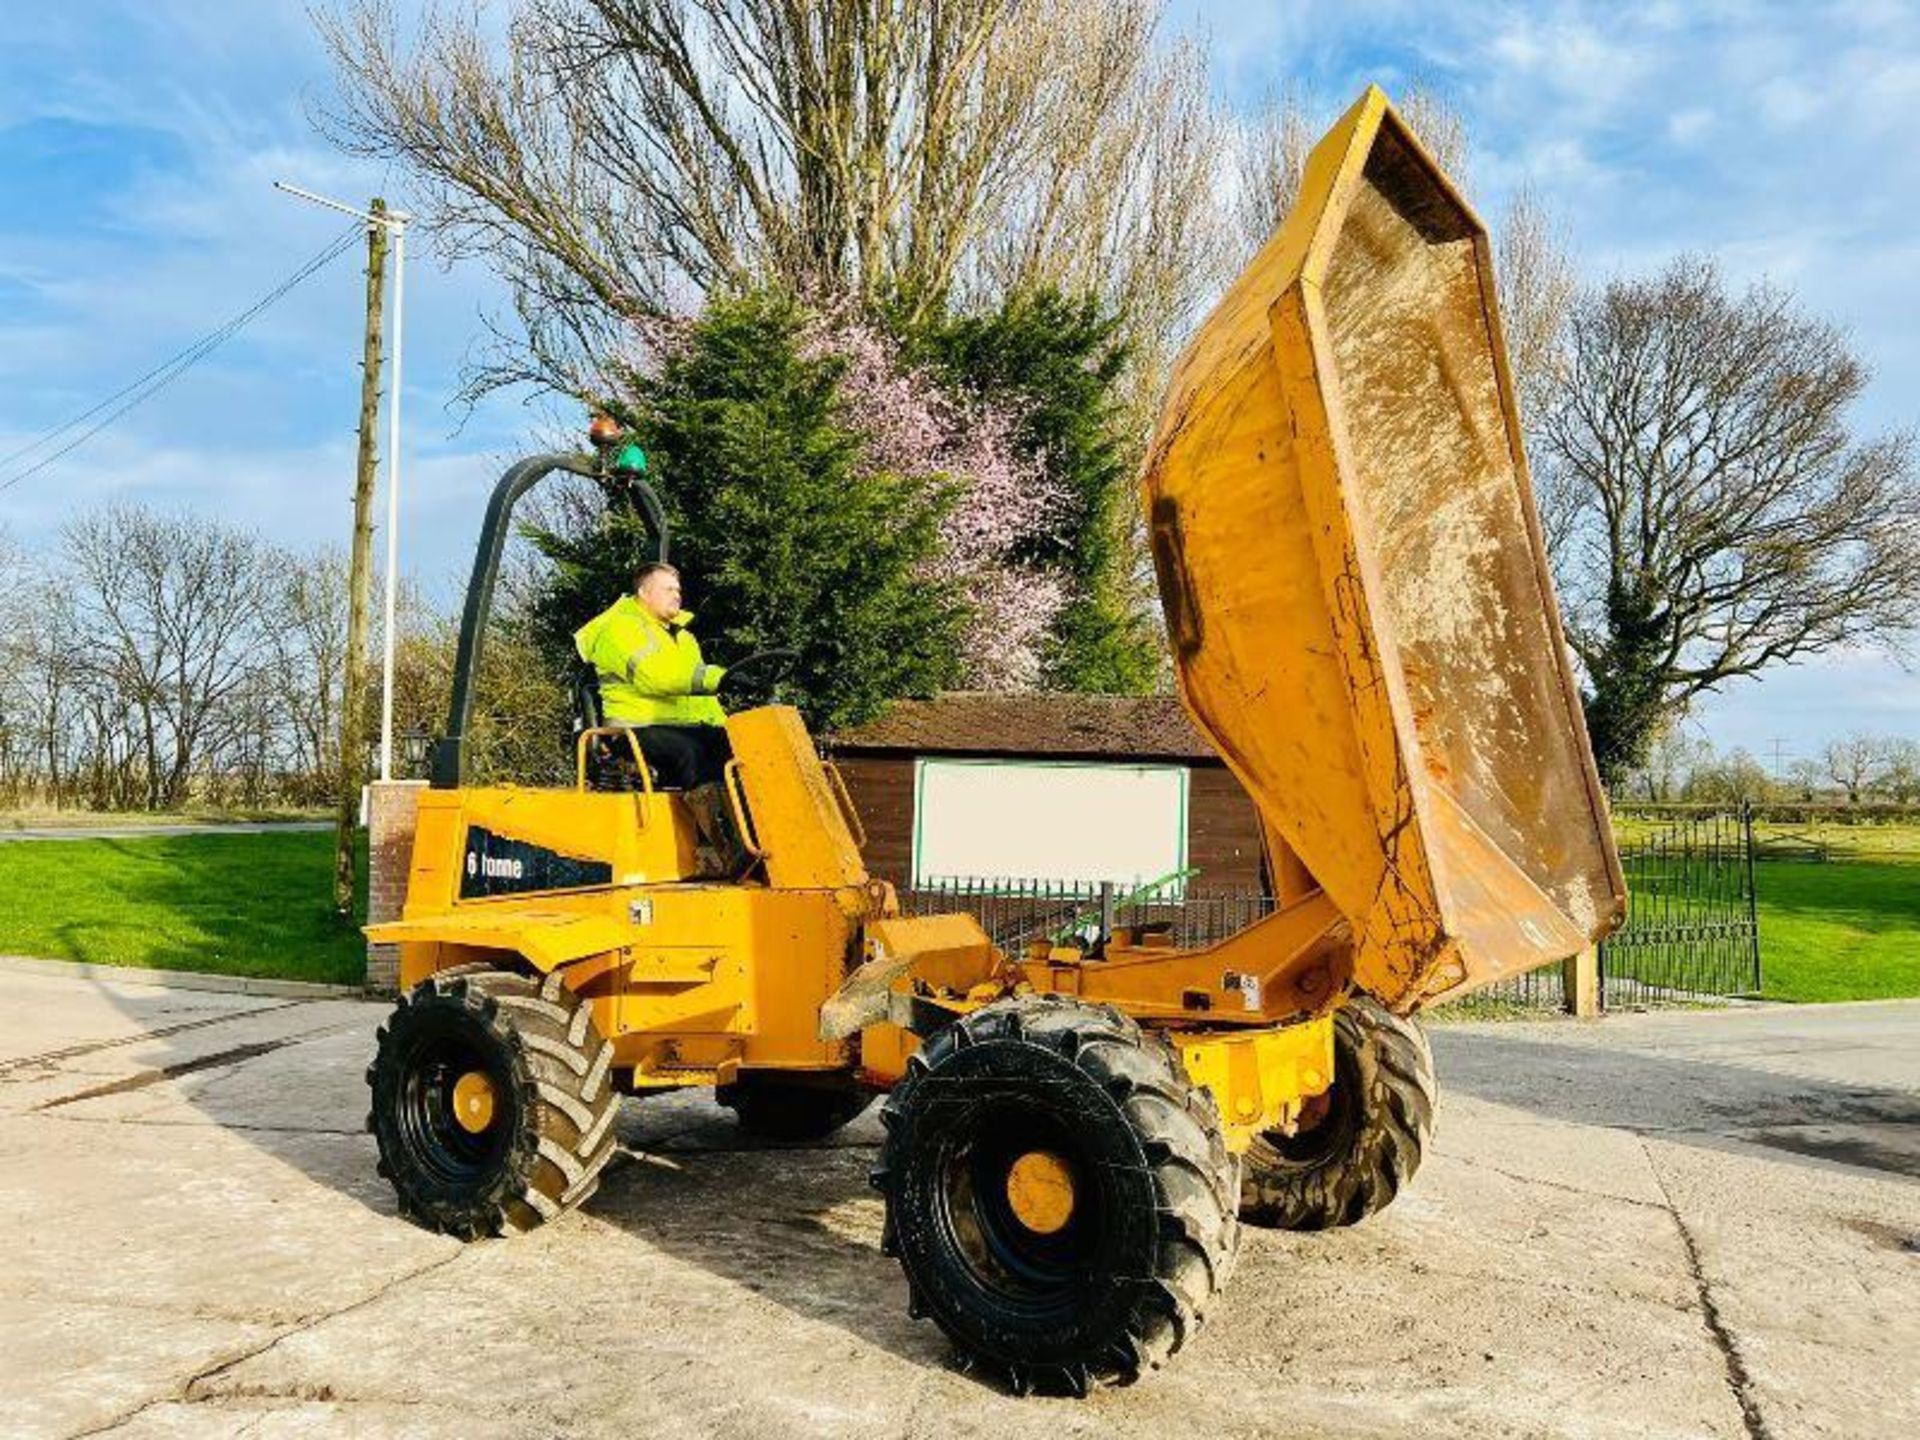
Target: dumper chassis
1361	621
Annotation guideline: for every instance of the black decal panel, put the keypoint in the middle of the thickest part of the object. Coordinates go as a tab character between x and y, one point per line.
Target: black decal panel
497	865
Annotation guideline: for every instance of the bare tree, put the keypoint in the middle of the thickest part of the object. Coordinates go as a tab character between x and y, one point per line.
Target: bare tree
16	740
1806	778
1269	157
308	659
1121	202
1534	275
43	674
173	610
1854	763
1536	283
615	159
1734	778
1899	778
1671	761
1723	518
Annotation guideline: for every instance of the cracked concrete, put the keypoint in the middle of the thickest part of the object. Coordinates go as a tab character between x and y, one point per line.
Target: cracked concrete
1668	1225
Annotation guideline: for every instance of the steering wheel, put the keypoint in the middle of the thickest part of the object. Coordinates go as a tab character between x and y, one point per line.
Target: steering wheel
763	664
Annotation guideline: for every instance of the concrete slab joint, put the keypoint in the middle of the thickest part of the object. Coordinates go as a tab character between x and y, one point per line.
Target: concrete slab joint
392	808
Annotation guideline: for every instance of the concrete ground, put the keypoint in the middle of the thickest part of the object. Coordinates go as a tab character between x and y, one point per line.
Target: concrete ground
1683	1224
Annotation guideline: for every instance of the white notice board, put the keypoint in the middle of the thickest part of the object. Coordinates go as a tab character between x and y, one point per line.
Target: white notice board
1030	820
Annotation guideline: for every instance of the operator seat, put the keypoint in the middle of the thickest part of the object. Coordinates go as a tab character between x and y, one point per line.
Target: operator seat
609	758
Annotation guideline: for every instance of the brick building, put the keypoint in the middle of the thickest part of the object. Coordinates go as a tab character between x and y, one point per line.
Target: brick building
1051	787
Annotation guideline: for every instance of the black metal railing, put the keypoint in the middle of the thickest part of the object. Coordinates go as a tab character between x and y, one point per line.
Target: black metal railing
1014	912
1693	929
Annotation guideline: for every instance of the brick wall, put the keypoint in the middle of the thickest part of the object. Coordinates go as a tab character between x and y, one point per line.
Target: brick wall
391	805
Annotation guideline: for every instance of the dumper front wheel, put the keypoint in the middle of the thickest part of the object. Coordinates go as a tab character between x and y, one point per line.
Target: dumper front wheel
1361	1143
1058	1192
491	1101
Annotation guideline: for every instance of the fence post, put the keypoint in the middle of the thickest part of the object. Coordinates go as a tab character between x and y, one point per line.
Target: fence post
1580	983
1106	911
1753	896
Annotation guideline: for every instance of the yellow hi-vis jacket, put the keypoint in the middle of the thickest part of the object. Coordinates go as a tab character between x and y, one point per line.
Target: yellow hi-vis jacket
651	672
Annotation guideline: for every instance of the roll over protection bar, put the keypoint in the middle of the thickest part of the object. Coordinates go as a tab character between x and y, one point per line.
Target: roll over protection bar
447	769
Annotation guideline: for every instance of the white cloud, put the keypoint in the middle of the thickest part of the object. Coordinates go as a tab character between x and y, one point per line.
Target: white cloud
1686	126
260	432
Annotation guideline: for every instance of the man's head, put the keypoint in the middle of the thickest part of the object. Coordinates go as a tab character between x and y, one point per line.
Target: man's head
657	587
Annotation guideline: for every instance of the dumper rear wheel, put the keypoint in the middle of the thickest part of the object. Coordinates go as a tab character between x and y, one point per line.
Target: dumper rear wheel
491	1101
1362	1144
793	1108
1059	1193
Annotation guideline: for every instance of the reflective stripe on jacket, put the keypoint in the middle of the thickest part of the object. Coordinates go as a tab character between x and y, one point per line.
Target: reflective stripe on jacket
650	670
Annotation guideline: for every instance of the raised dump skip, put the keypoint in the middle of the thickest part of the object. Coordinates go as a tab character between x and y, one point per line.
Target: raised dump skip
1357	589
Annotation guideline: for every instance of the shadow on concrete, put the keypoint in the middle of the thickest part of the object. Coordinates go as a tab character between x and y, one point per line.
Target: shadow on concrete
1685	1099
797	1225
283	1073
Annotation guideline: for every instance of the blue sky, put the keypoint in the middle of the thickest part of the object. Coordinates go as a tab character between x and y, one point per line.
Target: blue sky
139	143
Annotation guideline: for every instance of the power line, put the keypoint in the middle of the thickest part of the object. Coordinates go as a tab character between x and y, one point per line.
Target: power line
1779	743
169	370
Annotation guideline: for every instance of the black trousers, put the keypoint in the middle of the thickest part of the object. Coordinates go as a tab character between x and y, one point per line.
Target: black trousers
683	756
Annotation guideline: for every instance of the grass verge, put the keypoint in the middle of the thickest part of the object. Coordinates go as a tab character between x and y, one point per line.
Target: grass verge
225	904
32	819
1849	930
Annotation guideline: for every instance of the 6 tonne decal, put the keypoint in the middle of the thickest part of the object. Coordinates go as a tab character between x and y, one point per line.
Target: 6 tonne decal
497	865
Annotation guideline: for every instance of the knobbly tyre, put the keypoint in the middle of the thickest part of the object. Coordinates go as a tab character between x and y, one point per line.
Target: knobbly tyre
1362	623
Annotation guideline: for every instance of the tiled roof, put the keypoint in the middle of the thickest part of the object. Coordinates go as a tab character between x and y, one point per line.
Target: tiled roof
972	722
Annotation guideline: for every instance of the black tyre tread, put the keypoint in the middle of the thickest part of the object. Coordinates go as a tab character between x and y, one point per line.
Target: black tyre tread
556	1160
1390	1133
1178	1126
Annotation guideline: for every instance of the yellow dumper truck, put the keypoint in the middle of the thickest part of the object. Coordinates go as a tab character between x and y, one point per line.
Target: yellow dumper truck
1362	623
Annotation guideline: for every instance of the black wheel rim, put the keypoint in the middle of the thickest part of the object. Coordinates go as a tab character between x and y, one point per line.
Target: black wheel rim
443	1148
1040	1273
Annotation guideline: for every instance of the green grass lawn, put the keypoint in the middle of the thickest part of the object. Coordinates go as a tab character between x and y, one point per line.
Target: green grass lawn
1849	930
229	904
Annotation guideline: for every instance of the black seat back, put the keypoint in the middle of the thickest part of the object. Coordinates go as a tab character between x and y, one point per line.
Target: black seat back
609	757
583	681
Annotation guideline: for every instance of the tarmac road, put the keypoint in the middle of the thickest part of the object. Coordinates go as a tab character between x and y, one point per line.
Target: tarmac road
1683	1224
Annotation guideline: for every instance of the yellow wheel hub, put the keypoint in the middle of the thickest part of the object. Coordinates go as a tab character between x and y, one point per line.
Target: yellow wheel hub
473	1101
1040	1190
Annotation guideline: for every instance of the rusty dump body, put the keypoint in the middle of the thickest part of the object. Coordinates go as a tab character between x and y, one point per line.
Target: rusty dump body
1356	588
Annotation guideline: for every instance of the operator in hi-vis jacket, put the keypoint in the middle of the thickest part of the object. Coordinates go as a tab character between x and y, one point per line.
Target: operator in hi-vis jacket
654	680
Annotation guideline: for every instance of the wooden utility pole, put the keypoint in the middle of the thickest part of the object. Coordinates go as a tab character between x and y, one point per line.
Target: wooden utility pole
353	708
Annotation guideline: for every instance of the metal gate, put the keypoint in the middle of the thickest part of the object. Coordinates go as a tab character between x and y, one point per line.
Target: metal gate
1691	933
1692	930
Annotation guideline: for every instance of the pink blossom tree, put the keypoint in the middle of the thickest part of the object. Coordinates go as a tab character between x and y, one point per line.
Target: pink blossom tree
1003	500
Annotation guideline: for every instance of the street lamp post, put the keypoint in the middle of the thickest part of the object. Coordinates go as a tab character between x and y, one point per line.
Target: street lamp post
395	223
